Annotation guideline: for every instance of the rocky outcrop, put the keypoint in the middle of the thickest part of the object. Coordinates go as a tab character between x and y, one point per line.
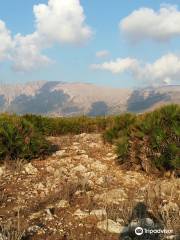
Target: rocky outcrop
81	192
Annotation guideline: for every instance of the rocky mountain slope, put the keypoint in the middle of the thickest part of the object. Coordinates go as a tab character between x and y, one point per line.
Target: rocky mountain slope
82	193
63	99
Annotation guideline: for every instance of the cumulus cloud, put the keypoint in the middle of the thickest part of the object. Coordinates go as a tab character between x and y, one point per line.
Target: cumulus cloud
102	53
62	21
145	23
164	70
58	21
118	66
6	41
27	53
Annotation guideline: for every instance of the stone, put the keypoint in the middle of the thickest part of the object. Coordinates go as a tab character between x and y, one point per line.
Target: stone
60	153
114	196
100	181
50	169
36	215
98	166
110	226
30	169
2	171
81	152
94	145
99	213
80	168
39	186
81	214
62	204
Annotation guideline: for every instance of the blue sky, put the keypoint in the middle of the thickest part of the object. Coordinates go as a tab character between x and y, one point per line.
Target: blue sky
129	62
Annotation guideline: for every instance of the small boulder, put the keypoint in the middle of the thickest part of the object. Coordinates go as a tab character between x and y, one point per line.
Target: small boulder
62	204
30	169
81	214
99	213
80	168
110	226
2	169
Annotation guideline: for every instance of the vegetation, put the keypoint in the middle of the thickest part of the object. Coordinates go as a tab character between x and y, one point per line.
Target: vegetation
19	139
158	132
74	125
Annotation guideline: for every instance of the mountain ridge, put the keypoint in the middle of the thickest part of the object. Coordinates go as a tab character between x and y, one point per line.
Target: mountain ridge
60	98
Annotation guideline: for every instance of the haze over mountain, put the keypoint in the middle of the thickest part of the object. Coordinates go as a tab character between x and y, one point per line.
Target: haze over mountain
67	99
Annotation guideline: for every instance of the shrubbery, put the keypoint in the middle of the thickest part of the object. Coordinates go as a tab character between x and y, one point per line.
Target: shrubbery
19	139
54	126
159	131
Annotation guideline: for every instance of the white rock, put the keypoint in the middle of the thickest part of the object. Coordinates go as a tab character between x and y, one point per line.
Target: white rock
30	169
110	226
99	213
62	204
94	145
80	168
81	152
98	166
100	181
60	153
114	196
81	214
50	169
2	171
40	186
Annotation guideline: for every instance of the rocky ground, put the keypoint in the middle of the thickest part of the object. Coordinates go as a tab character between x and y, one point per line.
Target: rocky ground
81	192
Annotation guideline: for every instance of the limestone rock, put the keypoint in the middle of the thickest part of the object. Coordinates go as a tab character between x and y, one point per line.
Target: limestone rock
60	153
98	166
81	214
30	169
99	213
62	204
2	169
110	226
80	168
114	196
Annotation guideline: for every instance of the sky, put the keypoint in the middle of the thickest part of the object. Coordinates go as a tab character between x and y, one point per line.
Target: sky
116	43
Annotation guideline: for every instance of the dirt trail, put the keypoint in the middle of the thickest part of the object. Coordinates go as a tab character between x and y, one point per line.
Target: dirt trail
71	194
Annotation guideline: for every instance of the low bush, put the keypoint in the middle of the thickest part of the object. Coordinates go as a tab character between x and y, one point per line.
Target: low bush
19	139
54	126
157	133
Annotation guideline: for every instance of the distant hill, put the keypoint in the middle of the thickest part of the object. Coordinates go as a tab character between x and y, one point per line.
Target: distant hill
67	99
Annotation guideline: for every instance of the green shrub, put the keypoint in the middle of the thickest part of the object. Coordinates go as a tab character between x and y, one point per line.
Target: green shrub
19	139
158	130
120	126
55	126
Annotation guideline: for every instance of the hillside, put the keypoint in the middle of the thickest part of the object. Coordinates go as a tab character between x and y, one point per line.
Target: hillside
67	99
81	192
90	178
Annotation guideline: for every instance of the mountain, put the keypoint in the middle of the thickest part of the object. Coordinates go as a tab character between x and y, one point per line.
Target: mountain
67	99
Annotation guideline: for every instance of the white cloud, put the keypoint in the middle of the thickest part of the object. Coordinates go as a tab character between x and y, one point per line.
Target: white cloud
146	23
27	53
6	43
60	21
118	66
102	54
164	70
